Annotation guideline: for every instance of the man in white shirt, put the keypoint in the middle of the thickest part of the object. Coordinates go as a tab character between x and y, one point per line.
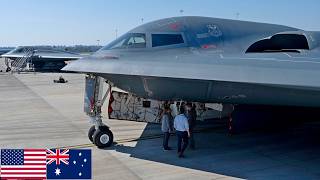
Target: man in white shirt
181	125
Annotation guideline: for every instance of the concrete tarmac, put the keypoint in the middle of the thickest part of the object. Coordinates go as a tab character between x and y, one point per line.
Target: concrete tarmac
37	113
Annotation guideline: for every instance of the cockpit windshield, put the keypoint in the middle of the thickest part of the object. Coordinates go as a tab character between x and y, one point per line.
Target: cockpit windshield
166	39
128	41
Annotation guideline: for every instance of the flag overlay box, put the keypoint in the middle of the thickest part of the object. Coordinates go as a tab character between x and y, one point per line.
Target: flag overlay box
35	164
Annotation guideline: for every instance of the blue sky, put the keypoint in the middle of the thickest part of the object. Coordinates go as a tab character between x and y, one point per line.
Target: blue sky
70	22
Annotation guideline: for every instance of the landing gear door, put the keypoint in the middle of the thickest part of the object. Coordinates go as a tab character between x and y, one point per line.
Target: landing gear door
89	94
93	97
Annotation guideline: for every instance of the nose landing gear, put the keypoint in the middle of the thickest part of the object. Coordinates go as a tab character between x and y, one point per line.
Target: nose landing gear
103	137
99	134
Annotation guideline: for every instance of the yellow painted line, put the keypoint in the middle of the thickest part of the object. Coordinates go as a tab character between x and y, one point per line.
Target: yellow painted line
121	141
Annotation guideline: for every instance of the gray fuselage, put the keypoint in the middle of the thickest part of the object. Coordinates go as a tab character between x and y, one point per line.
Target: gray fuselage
213	63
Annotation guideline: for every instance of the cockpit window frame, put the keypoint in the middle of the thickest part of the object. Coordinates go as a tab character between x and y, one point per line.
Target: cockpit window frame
184	44
148	36
121	38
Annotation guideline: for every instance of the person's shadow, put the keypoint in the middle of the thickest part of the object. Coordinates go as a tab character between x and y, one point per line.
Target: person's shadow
291	153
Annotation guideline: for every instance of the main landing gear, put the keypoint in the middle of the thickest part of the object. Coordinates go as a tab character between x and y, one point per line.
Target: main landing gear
99	134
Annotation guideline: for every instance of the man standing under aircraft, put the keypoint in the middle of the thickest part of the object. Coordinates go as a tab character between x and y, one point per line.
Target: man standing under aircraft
166	127
181	125
191	115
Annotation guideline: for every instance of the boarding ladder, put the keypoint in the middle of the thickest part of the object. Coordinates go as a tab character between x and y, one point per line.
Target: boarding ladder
20	64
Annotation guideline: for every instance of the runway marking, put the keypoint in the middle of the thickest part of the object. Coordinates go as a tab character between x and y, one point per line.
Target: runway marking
288	55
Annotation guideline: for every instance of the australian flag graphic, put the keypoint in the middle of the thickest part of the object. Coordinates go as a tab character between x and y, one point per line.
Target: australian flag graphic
69	164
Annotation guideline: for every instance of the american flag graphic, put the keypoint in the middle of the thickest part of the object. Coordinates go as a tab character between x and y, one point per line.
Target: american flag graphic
23	164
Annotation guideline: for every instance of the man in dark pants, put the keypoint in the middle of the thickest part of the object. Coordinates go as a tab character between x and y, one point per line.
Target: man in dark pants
191	115
181	125
166	127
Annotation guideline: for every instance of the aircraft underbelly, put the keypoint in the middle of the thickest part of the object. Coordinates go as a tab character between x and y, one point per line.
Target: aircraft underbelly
214	91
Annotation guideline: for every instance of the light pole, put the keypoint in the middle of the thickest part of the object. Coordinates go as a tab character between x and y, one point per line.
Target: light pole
181	12
237	15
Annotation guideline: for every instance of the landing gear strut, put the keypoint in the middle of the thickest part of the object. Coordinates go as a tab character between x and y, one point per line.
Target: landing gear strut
100	134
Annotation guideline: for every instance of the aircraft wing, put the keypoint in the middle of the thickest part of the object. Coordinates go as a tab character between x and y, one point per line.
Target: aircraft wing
4	51
289	69
46	56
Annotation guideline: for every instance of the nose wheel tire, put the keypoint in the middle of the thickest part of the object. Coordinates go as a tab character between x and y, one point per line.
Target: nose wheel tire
91	132
103	137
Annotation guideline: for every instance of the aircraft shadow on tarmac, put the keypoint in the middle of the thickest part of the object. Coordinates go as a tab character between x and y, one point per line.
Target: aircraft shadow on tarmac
283	153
